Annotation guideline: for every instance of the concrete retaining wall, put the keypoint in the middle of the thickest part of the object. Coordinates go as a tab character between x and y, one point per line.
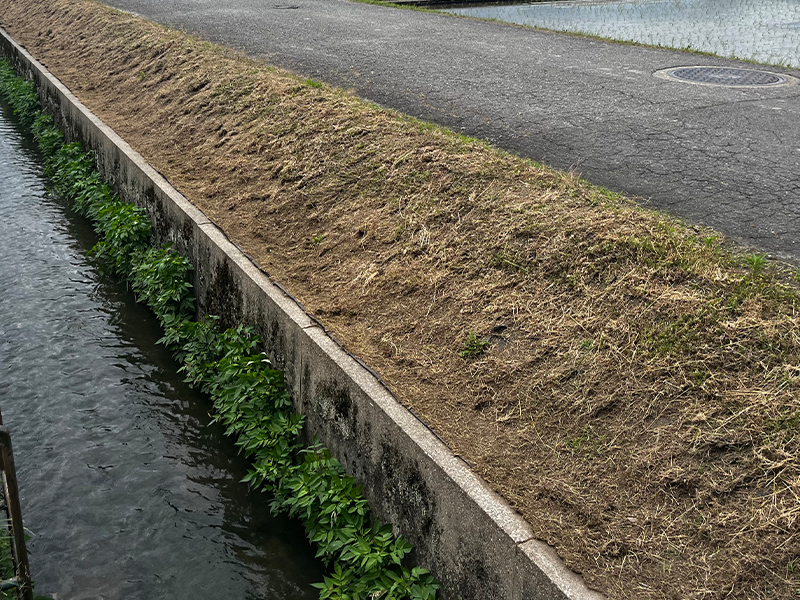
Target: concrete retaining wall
476	545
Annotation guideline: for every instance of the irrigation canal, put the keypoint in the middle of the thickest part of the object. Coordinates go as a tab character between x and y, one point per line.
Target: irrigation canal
127	488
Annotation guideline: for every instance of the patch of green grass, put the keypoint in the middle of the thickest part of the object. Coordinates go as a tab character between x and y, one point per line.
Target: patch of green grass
505	259
677	336
588	443
698	377
403	6
783	429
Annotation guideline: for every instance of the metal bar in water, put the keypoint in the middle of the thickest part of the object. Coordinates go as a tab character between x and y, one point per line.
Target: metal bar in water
23	571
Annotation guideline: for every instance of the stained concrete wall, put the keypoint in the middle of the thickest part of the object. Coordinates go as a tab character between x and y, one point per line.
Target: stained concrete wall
470	538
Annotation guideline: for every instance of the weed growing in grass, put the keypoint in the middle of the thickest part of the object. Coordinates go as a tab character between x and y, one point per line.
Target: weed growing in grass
588	443
709	241
313	83
473	346
756	262
698	377
784	428
318	239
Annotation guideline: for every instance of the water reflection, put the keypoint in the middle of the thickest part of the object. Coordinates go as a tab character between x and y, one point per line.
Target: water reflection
761	30
130	491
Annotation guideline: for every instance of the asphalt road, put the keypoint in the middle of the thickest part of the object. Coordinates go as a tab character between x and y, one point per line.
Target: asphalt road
724	157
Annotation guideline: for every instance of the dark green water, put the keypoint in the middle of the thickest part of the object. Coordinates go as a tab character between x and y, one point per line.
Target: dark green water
128	490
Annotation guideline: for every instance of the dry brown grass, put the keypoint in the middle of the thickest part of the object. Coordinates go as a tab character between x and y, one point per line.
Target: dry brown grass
638	401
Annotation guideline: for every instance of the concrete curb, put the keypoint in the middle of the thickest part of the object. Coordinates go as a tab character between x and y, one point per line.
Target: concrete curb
468	536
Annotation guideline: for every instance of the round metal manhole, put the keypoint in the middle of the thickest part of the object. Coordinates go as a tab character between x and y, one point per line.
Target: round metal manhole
726	76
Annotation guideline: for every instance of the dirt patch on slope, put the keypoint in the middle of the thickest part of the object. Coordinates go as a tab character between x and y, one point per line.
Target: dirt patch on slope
605	368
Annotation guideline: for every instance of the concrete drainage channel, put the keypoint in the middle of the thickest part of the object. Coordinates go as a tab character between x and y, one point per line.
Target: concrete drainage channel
469	537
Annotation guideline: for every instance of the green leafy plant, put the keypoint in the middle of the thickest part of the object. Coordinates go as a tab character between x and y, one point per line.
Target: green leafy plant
6	559
473	346
160	278
756	262
47	136
21	94
125	232
709	241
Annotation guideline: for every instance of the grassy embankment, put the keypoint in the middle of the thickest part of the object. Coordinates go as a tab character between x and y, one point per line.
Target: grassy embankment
624	380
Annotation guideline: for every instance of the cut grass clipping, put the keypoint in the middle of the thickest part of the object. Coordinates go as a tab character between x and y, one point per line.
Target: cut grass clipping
249	397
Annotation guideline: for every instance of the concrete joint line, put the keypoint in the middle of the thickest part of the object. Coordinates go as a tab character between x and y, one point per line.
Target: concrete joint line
466	534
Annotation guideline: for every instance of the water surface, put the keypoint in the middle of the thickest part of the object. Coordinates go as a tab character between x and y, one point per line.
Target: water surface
761	30
128	490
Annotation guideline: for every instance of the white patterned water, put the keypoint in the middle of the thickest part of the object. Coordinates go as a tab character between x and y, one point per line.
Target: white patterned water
766	31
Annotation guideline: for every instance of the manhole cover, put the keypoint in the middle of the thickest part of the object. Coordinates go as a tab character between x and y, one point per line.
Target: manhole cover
726	76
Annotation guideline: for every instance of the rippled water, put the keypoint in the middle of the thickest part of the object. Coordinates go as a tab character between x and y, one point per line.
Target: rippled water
761	30
128	490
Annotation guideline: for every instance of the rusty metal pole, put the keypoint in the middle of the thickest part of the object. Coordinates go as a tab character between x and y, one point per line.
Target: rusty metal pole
24	585
1	454
7	523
